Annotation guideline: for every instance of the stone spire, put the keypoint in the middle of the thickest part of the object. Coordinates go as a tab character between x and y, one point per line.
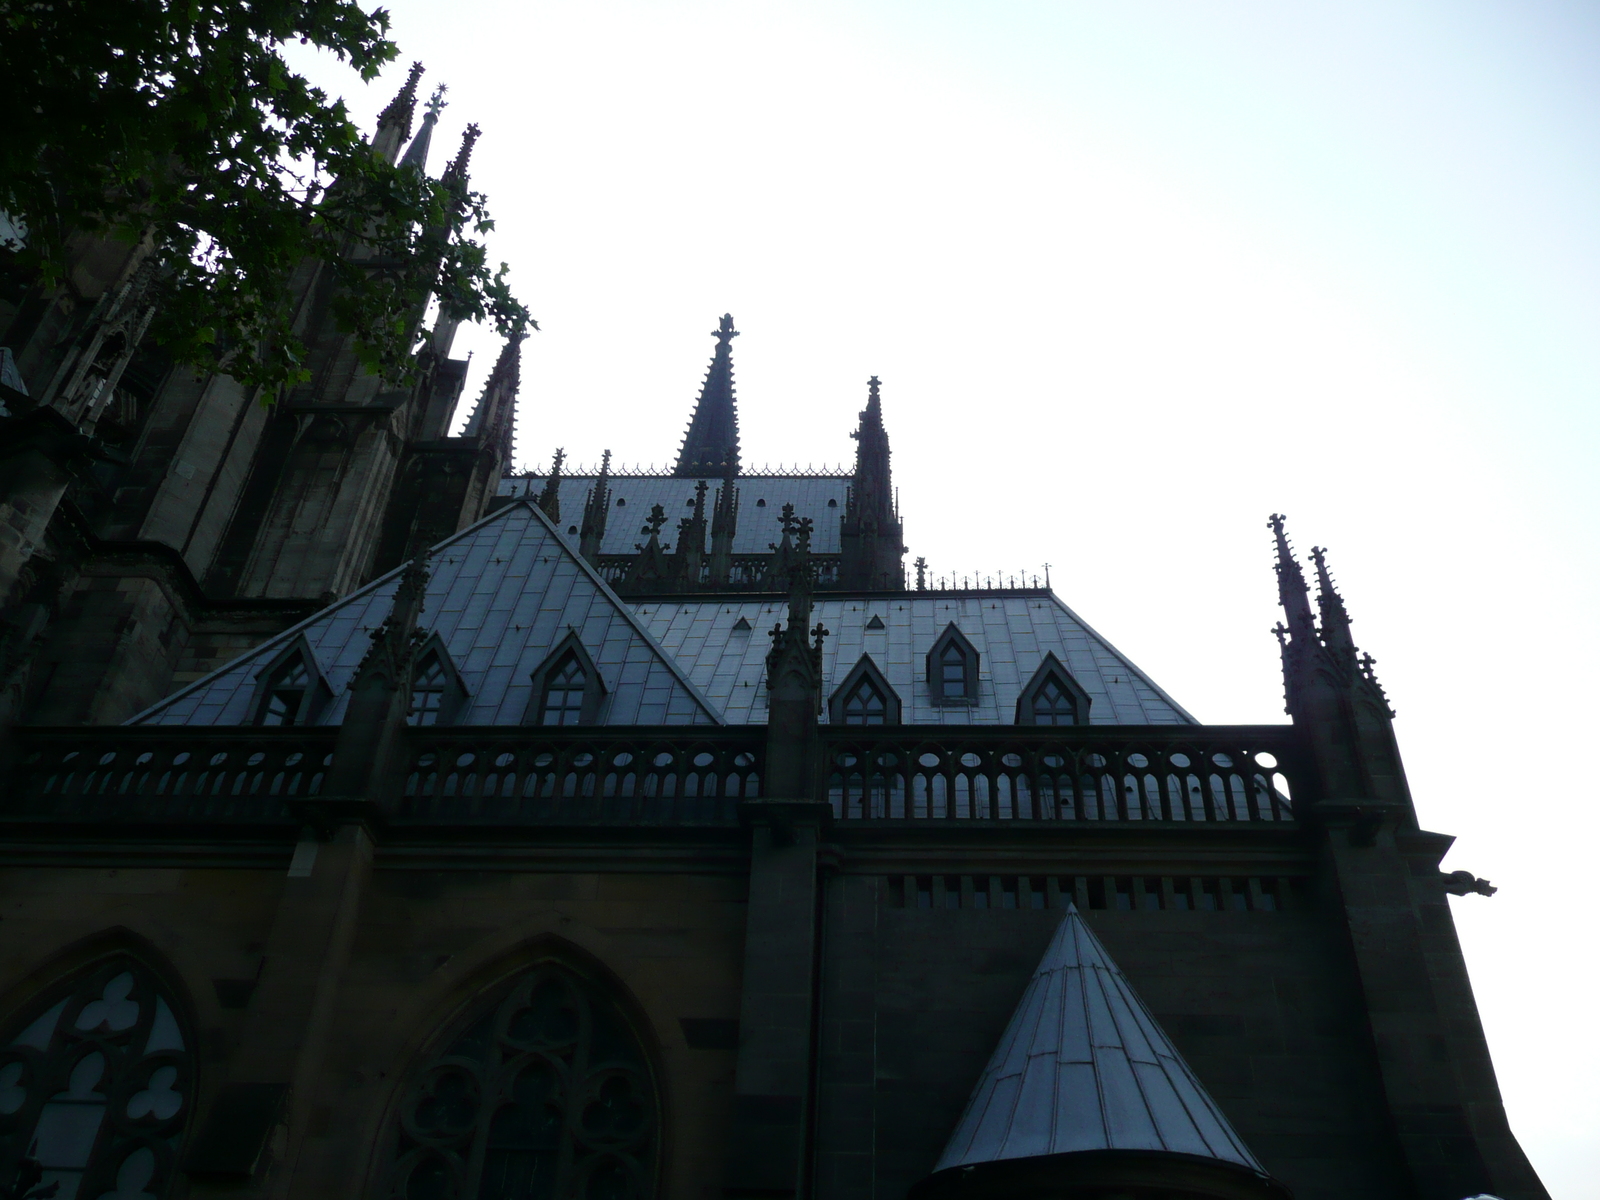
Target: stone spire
1335	621
394	122
455	175
871	547
1292	591
550	495
1085	1088
595	510
417	153
713	436
494	417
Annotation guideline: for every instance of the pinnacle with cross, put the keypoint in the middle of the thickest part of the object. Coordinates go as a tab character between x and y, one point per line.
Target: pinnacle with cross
725	332
656	519
437	104
555	465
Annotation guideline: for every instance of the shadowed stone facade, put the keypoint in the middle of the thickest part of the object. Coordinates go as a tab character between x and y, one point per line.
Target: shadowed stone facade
378	823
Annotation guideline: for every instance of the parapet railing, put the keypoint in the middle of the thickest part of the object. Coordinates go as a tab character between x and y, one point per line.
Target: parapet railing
669	775
673	775
1166	773
167	773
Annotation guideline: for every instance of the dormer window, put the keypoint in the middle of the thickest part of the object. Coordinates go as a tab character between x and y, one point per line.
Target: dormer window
427	694
864	698
437	692
567	688
563	693
953	669
286	693
1052	697
290	689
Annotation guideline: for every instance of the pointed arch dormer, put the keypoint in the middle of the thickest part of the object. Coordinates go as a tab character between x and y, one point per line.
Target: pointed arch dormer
952	670
290	689
567	687
864	698
438	694
1052	697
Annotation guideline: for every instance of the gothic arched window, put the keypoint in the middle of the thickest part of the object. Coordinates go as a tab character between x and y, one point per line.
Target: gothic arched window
567	688
1053	705
1052	697
564	688
96	1083
546	1096
286	693
289	689
953	669
864	704
437	692
864	698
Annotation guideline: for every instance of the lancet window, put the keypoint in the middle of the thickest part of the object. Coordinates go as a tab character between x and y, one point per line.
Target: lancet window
545	1095
96	1083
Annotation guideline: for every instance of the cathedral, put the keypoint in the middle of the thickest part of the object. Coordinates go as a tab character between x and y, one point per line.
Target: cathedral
380	822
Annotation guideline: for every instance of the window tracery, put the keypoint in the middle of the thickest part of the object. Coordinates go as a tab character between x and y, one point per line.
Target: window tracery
1053	705
95	1087
864	704
547	1096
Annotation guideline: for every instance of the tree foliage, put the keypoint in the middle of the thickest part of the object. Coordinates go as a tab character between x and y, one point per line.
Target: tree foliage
181	121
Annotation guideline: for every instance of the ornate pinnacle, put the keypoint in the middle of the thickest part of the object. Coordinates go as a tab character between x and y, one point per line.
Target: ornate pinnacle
399	109
436	104
1292	591
654	522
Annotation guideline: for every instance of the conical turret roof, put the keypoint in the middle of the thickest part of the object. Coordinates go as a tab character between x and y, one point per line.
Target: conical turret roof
1083	1066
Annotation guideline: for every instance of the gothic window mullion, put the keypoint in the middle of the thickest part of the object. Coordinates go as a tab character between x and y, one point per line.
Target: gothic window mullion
535	1055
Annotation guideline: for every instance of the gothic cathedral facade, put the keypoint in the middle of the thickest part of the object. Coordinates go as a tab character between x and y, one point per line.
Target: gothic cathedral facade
379	822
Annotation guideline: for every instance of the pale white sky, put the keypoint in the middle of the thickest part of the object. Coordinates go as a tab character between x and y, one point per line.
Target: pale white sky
1134	276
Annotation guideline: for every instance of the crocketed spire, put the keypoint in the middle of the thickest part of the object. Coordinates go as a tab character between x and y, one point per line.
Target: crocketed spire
394	122
713	436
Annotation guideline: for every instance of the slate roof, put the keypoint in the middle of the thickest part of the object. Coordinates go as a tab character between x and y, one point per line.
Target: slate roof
1012	634
758	523
501	594
1084	1066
